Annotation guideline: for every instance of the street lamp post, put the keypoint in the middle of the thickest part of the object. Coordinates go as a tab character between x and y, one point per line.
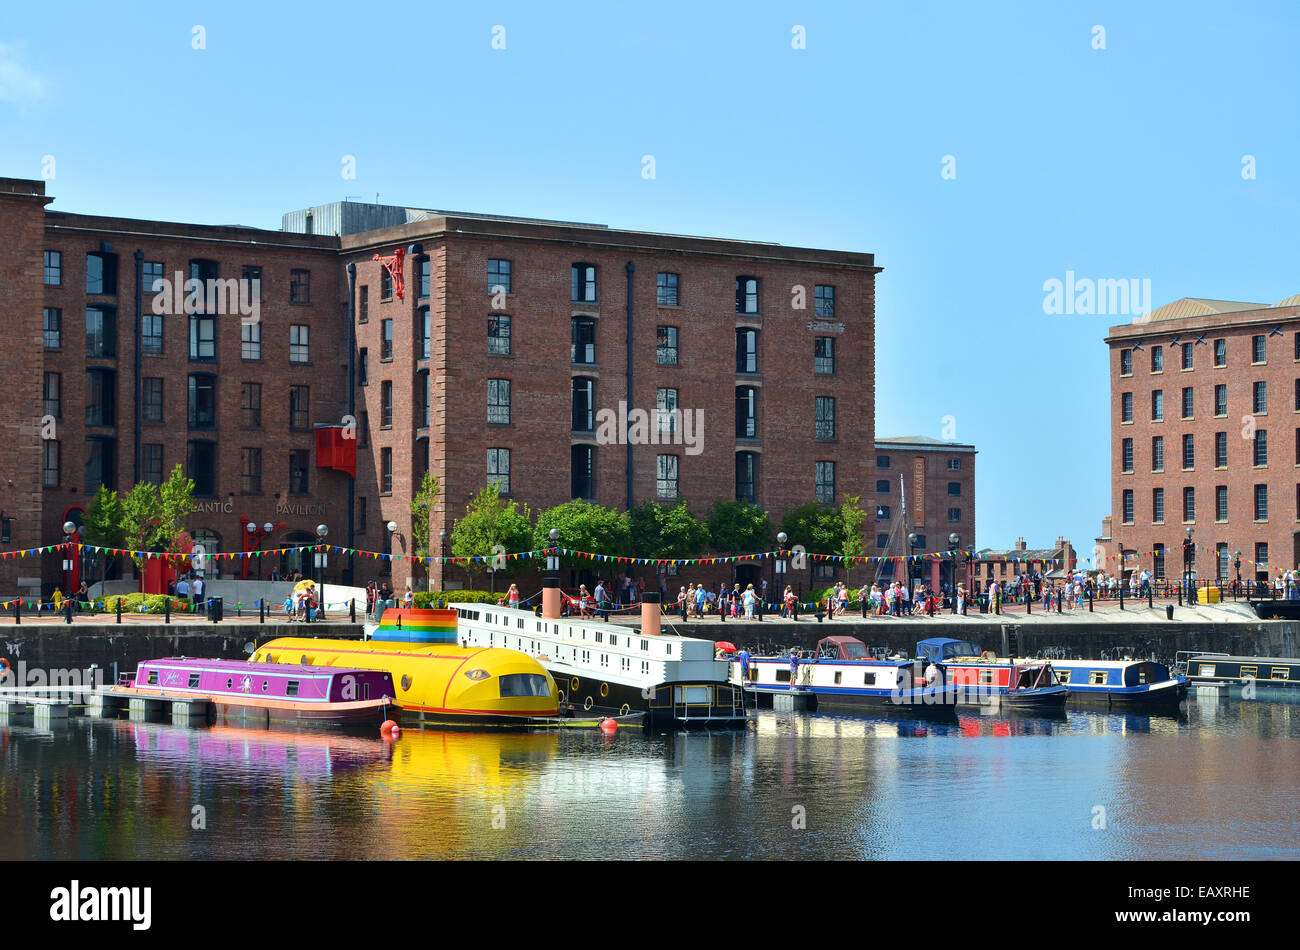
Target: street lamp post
553	558
322	562
69	529
1189	557
778	568
954	545
911	543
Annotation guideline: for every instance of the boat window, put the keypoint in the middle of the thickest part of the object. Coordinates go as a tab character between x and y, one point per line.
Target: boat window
1097	678
194	680
1252	671
1280	673
838	677
600	637
1207	669
613	640
645	644
986	677
668	649
1142	675
855	651
783	676
153	678
868	679
230	683
1063	675
365	691
521	623
291	688
524	684
265	684
406	682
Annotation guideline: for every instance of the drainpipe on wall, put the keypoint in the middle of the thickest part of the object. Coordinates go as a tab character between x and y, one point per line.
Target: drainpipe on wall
352	413
139	327
631	269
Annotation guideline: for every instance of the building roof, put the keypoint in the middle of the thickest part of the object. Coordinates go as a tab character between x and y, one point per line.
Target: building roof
924	442
1028	554
1197	307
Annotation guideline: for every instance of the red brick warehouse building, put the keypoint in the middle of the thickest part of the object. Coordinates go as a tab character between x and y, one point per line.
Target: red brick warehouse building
1205	438
508	343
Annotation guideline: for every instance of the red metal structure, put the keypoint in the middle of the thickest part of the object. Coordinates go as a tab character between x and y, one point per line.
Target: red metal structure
393	264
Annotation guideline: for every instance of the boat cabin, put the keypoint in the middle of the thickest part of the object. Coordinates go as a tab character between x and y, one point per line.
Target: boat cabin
842	648
1032	676
938	649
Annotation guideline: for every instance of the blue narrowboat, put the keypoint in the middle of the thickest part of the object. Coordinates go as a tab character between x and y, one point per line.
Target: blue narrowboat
1122	682
1273	673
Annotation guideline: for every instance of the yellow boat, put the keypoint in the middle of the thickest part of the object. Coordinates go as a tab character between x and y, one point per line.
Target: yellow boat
437	682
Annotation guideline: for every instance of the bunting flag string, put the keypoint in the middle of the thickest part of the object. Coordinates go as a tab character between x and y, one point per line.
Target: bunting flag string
631	560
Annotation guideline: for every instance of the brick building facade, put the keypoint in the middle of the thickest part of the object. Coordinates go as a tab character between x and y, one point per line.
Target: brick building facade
511	346
1205	438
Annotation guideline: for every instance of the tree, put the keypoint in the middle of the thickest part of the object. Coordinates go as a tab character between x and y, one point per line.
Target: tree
585	526
489	522
421	506
737	527
659	532
102	524
819	528
852	515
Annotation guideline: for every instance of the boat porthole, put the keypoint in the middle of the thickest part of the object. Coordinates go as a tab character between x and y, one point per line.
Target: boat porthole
264	685
230	684
588	703
624	709
406	681
560	697
604	690
573	684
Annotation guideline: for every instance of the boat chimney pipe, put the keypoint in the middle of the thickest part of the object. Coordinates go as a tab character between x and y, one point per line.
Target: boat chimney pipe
650	614
551	598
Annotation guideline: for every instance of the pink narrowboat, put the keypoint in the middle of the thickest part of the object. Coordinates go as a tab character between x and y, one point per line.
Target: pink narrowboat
279	692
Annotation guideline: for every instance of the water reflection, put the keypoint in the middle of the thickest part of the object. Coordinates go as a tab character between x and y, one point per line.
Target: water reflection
1217	780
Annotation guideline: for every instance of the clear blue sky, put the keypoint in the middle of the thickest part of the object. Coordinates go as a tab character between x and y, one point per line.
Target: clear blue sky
1115	163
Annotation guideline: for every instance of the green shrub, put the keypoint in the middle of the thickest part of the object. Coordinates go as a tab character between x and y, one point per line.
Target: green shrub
430	598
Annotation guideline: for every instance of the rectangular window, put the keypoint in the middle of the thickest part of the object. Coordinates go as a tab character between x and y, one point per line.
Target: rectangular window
1157	359
250	471
363	366
882	541
1187	402
882	485
101	397
426	333
498	469
1128	506
666	346
426	277
151	392
386	340
746	412
666	292
386	471
54	395
1126	453
151	333
1259	397
499	335
53	328
1189	452
582	340
1189	356
1220	352
1126	407
252	277
666	412
1126	362
882	512
101	332
300	408
299	463
1157	405
202	467
746	350
747	477
151	277
51	472
363	305
825	427
824	300
101	274
385	404
584	283
53	269
825	483
1158	505
300	286
152	456
251	406
824	355
1220	450
203	338
1261	502
1261	562
299	344
666	476
385	284
250	341
422	394
203	401
499	401
954	489
499	277
1261	447
954	514
1189	504
1258	349
954	465
1158	453
1221	399
583	471
882	461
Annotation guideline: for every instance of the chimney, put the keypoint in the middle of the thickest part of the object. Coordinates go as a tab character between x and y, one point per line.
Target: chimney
551	598
650	613
1020	544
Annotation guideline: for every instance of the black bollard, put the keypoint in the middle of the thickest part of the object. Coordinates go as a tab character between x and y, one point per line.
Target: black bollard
758	609
352	610
67	611
1180	595
1059	598
1029	605
1150	605
794	608
261	610
1121	596
1089	600
119	609
18	610
167	609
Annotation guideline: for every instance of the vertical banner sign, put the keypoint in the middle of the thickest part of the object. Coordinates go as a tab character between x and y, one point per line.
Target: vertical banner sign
918	492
